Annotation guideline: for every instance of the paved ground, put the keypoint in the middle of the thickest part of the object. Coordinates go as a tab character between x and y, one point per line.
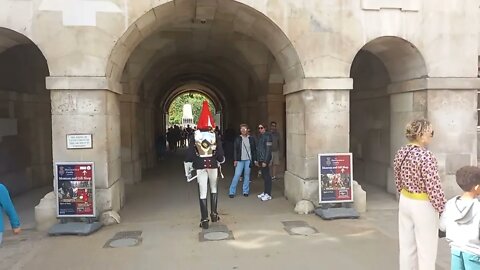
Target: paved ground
164	207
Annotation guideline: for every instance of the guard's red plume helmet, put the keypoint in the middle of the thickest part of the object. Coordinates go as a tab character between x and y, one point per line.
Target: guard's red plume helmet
205	121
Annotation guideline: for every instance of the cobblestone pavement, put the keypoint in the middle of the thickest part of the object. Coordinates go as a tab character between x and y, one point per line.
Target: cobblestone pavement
165	209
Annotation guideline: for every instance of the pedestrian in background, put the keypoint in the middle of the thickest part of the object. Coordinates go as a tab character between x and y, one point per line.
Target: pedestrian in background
421	198
276	151
6	206
264	157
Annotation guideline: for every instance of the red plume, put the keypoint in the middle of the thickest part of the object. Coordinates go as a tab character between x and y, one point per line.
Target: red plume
205	121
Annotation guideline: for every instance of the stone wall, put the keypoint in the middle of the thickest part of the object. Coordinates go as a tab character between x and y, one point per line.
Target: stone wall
428	48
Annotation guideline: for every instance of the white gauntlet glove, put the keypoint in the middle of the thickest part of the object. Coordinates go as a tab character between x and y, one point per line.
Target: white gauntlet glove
188	170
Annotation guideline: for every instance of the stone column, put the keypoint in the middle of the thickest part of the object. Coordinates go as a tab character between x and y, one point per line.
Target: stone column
86	105
253	117
275	111
273	106
243	116
130	139
317	113
149	137
451	105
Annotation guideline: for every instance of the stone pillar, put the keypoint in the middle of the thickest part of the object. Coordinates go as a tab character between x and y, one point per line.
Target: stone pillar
86	105
275	106
451	105
243	116
317	113
130	145
149	136
253	117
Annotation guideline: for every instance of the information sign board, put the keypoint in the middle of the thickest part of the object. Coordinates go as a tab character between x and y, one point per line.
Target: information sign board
335	175
75	188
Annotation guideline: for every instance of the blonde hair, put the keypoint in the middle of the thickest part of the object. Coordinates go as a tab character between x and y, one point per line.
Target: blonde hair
416	128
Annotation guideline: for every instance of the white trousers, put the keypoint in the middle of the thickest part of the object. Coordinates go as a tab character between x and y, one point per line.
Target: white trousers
418	234
204	177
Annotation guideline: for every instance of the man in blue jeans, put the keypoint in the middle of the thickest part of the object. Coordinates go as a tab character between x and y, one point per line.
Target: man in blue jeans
244	152
7	206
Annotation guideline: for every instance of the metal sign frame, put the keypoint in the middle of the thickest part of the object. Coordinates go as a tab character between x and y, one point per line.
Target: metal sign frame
335	174
56	185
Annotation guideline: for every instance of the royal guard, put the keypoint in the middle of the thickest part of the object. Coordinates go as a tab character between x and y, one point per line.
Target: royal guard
204	156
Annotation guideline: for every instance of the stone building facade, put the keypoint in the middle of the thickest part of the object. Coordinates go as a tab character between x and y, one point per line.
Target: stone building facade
336	75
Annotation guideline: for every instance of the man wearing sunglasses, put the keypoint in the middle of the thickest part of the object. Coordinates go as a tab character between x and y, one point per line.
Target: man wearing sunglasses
264	157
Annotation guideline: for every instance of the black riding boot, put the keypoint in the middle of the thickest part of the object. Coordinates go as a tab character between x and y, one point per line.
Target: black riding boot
204	213
213	212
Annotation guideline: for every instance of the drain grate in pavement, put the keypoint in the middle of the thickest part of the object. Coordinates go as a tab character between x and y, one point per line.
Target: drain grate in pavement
124	239
298	227
216	232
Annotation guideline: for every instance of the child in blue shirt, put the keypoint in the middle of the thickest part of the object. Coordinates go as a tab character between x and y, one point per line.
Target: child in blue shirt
7	206
461	221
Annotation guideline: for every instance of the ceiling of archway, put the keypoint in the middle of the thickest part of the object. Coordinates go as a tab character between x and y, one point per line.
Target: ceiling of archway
402	60
232	58
9	38
232	42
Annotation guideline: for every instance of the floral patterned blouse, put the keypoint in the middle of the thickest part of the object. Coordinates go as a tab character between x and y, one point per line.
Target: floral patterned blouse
419	174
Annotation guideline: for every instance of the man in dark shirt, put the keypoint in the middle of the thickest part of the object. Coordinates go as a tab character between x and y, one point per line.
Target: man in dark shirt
264	157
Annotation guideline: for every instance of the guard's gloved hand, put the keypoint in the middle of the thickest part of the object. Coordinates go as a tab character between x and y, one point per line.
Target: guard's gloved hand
188	166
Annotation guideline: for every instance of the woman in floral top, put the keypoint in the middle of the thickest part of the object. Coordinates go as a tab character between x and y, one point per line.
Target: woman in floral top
421	198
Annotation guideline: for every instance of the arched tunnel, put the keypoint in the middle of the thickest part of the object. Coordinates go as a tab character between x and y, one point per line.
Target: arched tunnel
229	52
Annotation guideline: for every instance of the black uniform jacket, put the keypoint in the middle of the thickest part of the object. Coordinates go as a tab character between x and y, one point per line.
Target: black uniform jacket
205	162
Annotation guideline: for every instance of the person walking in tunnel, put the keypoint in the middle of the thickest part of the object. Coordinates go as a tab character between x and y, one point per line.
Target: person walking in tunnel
161	146
421	198
276	152
244	150
6	205
205	156
264	157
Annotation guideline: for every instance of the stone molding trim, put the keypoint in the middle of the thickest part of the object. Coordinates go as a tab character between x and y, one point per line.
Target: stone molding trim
79	12
130	98
318	84
403	5
271	98
434	83
80	83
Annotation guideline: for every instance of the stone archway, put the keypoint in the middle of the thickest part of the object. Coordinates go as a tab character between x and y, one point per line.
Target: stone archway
25	114
233	49
380	109
196	87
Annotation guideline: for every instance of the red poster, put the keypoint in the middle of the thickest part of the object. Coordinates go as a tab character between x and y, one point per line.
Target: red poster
75	189
335	177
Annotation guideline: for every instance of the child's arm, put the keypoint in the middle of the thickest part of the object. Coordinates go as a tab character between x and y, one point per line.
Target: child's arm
7	204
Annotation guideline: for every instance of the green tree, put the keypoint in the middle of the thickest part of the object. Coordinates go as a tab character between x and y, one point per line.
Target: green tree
175	112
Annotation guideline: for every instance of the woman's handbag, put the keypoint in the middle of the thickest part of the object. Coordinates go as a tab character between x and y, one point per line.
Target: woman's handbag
249	157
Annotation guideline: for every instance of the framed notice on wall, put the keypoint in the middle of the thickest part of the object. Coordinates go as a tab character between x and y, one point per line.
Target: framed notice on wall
79	141
335	175
75	188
